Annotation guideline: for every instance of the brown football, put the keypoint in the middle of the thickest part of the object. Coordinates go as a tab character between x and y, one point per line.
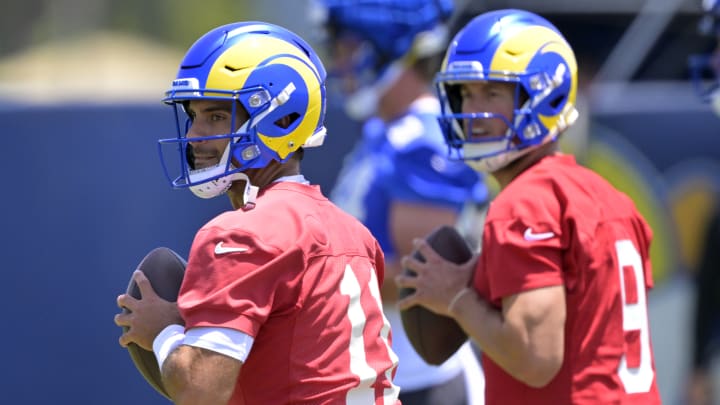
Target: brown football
436	337
165	270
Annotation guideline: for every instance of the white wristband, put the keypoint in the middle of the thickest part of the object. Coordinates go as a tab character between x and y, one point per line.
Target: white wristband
457	297
166	341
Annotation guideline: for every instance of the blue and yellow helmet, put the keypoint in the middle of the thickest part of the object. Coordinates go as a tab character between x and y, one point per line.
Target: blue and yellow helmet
514	46
270	72
389	25
383	37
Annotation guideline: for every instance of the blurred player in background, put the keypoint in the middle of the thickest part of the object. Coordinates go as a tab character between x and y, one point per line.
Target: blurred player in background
280	303
706	330
708	65
557	298
397	180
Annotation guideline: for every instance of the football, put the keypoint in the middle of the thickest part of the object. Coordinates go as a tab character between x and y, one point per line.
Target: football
165	270
435	337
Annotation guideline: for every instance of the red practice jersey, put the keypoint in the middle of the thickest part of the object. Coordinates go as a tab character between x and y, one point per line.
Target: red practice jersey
559	223
303	278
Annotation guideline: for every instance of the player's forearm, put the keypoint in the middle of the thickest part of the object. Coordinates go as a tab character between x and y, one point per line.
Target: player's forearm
508	346
188	383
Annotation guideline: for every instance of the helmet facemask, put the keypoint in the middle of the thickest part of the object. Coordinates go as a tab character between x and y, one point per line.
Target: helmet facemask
243	150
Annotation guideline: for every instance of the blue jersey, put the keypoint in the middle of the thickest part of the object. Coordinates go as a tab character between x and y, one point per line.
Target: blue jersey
404	160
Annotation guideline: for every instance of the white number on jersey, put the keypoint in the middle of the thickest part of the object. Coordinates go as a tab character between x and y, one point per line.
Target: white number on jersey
365	392
635	368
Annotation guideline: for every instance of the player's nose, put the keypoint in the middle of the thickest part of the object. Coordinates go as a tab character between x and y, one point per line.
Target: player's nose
195	130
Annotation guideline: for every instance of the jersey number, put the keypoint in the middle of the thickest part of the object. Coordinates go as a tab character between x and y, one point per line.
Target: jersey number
635	368
364	393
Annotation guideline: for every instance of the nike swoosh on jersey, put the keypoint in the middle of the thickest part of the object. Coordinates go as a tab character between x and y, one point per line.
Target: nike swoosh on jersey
220	249
530	235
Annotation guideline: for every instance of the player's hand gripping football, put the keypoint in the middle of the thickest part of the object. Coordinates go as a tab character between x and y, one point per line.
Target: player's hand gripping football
436	282
146	317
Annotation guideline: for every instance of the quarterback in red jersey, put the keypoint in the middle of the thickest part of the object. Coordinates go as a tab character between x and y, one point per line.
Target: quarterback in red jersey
280	303
557	298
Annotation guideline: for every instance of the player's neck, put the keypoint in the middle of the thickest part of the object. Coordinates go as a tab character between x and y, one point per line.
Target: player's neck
260	178
507	174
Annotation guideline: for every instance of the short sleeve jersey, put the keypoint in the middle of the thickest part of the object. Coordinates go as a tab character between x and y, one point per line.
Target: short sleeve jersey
559	223
302	278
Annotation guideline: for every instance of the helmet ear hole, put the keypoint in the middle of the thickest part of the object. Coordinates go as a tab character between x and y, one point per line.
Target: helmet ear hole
557	102
286	121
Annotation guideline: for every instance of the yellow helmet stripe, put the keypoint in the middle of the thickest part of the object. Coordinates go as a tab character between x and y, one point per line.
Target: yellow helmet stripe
242	61
512	57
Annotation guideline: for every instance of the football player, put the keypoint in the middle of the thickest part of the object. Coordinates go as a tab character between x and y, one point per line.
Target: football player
557	298
398	179
280	303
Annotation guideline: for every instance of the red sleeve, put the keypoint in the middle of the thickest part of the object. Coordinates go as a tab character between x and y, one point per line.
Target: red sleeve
525	265
523	243
236	290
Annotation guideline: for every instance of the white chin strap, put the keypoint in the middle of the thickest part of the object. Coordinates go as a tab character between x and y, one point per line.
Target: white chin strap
493	163
216	187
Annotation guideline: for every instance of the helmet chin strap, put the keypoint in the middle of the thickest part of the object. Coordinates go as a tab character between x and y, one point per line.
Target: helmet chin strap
494	163
216	187
250	192
221	185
